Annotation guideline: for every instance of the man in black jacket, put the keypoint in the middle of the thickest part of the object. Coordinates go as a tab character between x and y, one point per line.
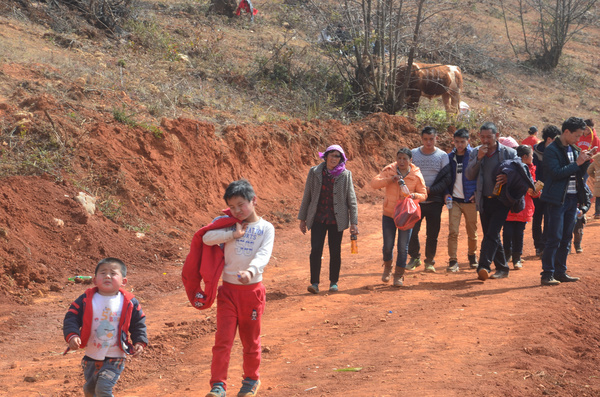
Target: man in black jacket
564	167
548	134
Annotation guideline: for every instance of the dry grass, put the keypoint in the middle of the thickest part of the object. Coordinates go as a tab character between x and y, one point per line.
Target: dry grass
176	61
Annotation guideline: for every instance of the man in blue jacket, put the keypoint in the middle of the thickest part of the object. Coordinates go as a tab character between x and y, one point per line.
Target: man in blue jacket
564	167
462	192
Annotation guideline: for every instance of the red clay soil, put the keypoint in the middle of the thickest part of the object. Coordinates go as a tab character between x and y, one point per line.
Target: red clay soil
442	334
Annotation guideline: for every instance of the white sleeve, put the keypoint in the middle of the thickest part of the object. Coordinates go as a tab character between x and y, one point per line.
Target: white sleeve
217	236
263	254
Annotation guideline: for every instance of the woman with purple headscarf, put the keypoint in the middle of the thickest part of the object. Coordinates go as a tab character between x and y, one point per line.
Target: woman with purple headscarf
328	208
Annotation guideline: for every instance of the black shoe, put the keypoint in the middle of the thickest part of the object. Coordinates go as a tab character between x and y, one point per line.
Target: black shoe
452	267
473	261
499	274
565	278
550	281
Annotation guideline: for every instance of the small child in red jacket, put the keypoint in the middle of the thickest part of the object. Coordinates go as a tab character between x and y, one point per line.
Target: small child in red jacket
241	299
514	226
100	321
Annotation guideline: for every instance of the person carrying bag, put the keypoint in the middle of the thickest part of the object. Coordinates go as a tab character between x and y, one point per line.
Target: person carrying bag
399	202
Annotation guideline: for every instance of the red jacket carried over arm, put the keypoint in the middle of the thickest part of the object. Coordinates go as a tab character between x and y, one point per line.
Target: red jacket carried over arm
205	263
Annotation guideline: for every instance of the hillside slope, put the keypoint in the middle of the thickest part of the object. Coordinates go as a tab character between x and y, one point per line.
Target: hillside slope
156	141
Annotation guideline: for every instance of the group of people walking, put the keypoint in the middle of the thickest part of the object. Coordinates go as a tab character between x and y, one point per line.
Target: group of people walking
493	179
509	185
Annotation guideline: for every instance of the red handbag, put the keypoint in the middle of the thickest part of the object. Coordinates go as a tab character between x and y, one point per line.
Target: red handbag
406	213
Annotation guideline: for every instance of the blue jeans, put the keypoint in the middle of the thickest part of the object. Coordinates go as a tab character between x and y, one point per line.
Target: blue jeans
101	376
561	222
389	234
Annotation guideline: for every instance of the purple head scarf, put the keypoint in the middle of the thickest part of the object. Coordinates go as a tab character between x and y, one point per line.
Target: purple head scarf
342	164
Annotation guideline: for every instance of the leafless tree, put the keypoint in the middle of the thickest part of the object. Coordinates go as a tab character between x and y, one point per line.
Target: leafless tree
382	35
546	26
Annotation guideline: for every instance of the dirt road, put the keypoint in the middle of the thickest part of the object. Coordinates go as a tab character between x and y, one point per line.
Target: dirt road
442	334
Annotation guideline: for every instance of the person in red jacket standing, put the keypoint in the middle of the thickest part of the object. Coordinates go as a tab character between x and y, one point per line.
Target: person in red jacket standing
588	140
514	227
532	139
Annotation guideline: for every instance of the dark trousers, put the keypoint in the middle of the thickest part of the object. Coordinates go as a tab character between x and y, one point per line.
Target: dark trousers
536	224
597	206
493	216
512	236
561	222
317	241
432	213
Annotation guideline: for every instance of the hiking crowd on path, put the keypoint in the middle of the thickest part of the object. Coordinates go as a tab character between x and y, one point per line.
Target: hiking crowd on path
509	185
493	179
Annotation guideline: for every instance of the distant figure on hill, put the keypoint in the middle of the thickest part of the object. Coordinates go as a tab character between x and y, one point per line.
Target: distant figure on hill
246	6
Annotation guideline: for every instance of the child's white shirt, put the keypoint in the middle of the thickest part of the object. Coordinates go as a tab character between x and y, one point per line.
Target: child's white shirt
250	252
104	336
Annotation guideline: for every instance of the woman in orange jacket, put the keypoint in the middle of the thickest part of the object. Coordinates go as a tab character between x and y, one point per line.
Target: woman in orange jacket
390	178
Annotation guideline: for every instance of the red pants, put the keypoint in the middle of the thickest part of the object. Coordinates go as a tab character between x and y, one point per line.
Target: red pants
243	306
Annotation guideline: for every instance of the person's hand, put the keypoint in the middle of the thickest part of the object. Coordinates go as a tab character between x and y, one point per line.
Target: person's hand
531	192
583	157
240	230
74	343
395	178
501	179
244	276
446	197
472	199
353	229
138	348
303	227
483	149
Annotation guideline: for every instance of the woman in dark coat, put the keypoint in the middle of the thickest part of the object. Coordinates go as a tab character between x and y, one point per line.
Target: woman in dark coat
328	208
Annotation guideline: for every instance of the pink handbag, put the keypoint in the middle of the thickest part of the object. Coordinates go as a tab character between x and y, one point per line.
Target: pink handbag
406	213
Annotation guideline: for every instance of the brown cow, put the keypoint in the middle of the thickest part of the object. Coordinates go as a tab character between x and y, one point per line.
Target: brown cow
430	81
